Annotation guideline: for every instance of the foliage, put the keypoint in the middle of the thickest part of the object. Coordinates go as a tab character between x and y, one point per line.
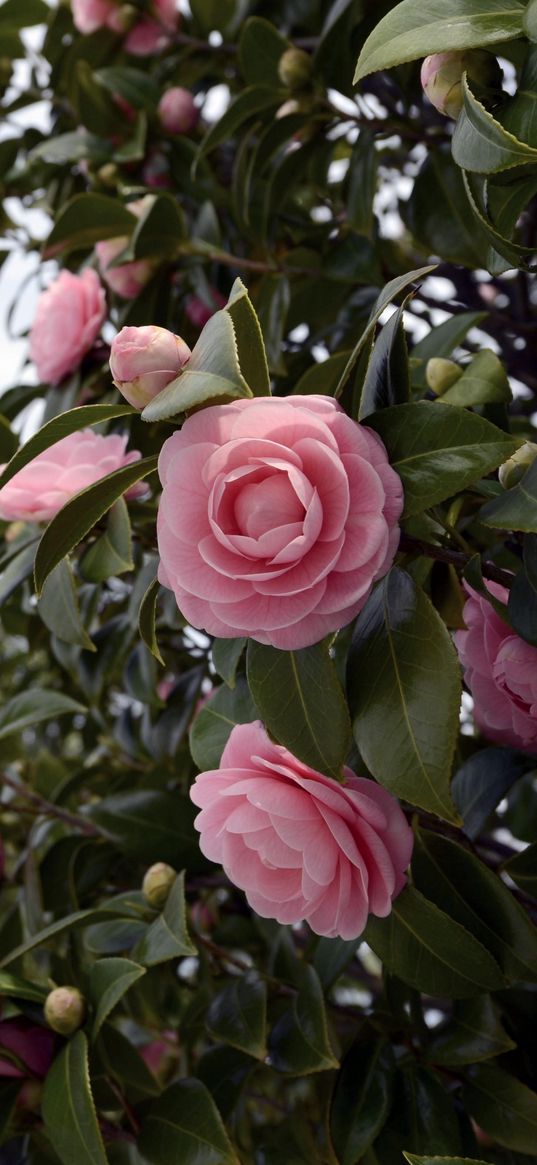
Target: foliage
302	209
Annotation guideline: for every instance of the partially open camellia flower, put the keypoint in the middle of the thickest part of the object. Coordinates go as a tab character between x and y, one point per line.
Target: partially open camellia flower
500	670
91	15
442	73
69	317
126	279
144	360
41	488
301	845
153	33
276	518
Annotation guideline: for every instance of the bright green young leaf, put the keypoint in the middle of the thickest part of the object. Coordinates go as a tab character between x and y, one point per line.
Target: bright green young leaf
475	1032
111	553
214	722
484	381
109	980
481	144
361	1100
404	689
501	1105
68	1107
299	1042
33	707
301	703
249	339
212	373
387	380
416	28
516	509
58	607
59	427
427	949
438	449
80	514
184	1125
87	219
167	937
238	1015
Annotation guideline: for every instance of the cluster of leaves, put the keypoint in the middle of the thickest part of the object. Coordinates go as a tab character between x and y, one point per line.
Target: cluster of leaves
213	1036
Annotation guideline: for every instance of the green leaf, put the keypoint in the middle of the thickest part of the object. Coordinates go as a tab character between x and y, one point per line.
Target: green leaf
522	868
413	1160
23	13
481	782
68	1108
8	440
80	514
85	220
474	1033
33	706
147	620
437	215
361	1100
441	341
404	694
475	897
58	607
184	1125
238	1015
301	703
331	957
516	509
150	825
167	937
260	47
501	1105
417	28
158	231
522	602
109	980
59	427
530	20
254	99
391	290
484	381
427	949
13	987
423	1116
387	380
362	184
19	567
503	252
212	373
299	1043
213	724
438	450
249	339
226	654
481	144
111	554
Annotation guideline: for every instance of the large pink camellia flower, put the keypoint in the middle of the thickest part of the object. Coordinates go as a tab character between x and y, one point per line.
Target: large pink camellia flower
301	845
276	518
41	488
69	317
500	670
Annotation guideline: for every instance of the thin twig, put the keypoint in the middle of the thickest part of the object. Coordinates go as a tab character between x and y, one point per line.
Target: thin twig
48	808
455	558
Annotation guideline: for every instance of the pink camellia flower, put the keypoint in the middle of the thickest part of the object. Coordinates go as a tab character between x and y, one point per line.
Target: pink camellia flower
91	15
126	279
153	34
69	317
301	845
199	312
177	111
26	1049
41	488
276	518
144	360
441	77
500	670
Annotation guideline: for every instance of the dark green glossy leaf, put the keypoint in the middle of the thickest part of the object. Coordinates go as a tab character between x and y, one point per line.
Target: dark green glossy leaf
331	957
437	215
13	987
85	220
504	1107
109	980
19	568
237	1015
404	694
59	427
422	1117
58	607
184	1125
147	619
522	603
226	654
516	509
361	1099
299	1042
427	949
111	554
68	1108
481	782
438	449
254	99
442	340
159	231
484	381
301	703
33	707
150	825
475	1032
260	48
481	144
167	937
387	380
413	1160
212	373
213	724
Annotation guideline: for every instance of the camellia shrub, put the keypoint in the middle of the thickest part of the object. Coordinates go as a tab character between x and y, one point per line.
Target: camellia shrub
268	583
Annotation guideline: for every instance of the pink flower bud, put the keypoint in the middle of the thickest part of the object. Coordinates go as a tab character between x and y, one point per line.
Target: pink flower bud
198	311
144	360
177	111
441	77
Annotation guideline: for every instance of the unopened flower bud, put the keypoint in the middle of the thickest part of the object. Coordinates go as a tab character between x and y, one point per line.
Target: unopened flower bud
177	111
441	374
108	174
144	360
511	472
441	77
65	1009
294	69
157	884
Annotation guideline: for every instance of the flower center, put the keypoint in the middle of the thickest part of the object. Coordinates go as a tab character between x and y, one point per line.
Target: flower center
265	505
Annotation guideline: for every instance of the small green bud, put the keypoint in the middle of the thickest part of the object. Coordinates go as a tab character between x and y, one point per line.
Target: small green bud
65	1009
294	69
441	374
511	472
157	884
441	77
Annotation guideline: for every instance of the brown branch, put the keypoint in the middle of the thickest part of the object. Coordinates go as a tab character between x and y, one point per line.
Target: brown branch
455	558
48	808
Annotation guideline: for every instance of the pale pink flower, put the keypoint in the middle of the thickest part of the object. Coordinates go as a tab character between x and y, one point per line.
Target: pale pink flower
126	279
500	670
301	845
144	360
41	488
276	518
177	111
69	317
153	34
31	1045
91	15
199	312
